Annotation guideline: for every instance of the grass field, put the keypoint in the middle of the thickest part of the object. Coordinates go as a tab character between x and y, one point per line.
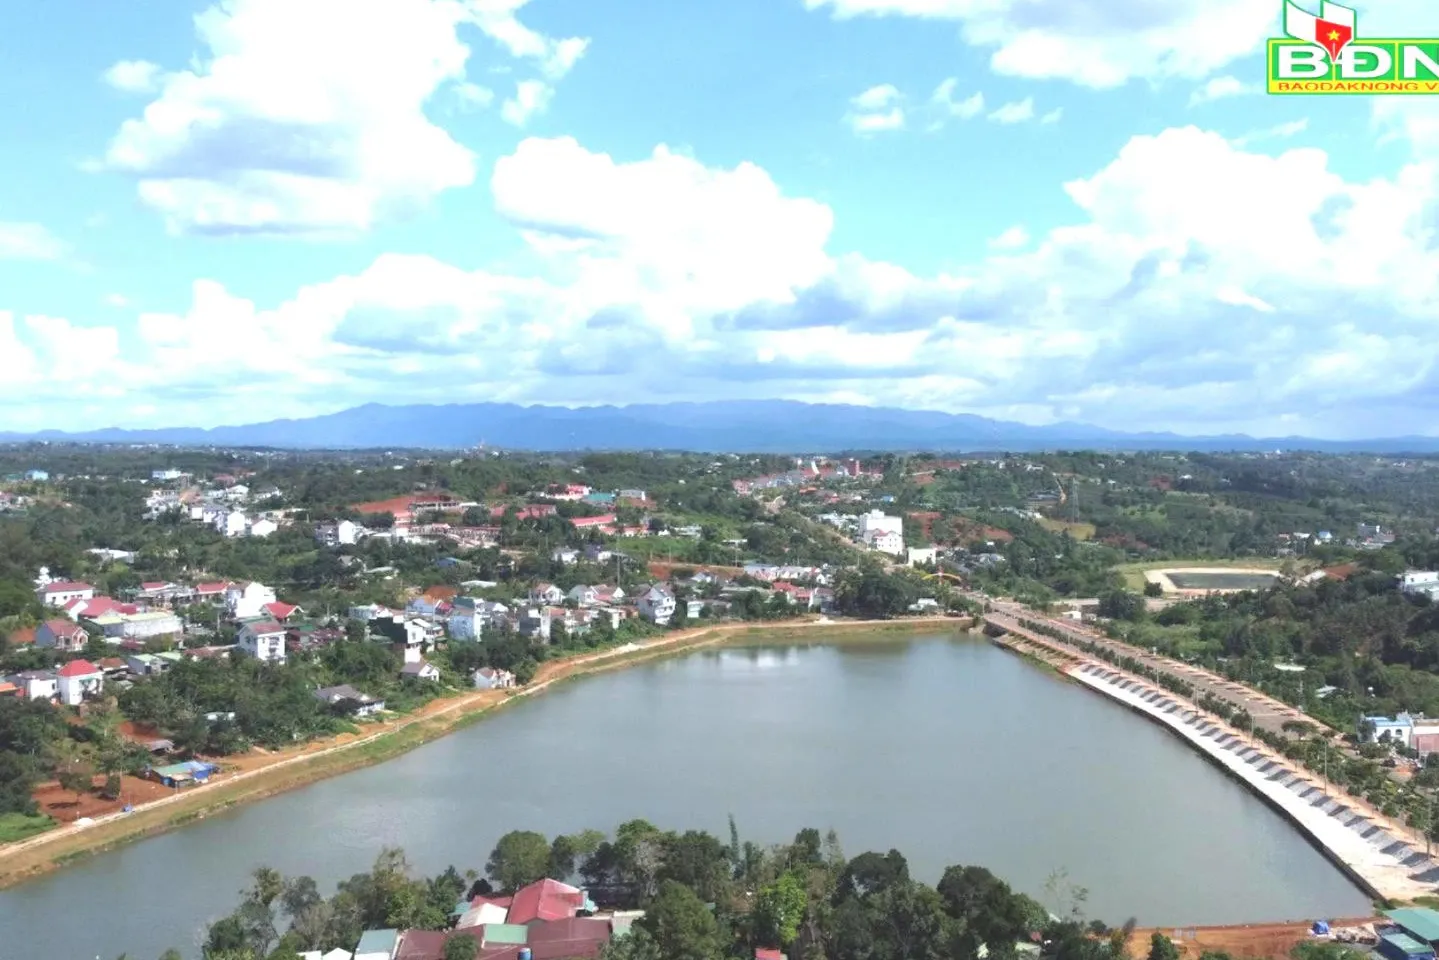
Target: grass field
1079	531
17	826
1133	573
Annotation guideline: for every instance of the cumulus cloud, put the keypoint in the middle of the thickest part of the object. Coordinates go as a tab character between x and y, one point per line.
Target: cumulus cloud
1095	43
268	131
1218	88
29	241
1195	285
134	76
944	100
876	110
532	97
1017	111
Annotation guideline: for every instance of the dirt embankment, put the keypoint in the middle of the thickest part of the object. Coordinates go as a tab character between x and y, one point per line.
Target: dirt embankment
260	773
1255	940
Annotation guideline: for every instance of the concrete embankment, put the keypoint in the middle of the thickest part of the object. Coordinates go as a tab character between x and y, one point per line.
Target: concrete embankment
1340	826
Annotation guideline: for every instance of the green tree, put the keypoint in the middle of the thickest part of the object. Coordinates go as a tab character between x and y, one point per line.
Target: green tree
520	857
636	945
461	946
682	926
778	909
1162	948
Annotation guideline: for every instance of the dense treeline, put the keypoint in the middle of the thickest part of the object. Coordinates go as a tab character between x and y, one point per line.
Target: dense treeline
704	899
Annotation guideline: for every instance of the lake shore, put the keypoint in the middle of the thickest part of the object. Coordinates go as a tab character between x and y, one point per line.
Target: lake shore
264	774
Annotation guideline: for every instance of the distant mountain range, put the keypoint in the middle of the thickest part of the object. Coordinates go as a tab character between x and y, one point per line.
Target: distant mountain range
753	426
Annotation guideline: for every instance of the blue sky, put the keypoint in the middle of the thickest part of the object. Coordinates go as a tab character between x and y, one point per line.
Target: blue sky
219	213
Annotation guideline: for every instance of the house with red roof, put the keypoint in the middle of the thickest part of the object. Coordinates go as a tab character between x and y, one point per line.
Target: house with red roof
546	900
279	612
211	591
593	523
79	681
66	636
60	592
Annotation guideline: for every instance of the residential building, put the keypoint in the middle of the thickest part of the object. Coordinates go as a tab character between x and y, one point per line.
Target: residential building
346	699
546	593
37	476
465	622
263	527
409	635
377	945
57	593
565	555
233	523
66	636
657	604
421	670
631	495
492	678
1420	582
915	556
247	600
534	622
1405	729
601	595
263	639
140	626
165	475
598	553
876	522
886	542
338	533
78	681
38	684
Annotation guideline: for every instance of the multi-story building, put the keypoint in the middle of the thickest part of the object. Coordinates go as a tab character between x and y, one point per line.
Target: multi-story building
264	640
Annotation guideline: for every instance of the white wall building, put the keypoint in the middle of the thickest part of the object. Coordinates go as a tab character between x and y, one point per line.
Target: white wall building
57	593
232	524
876	522
77	680
263	528
340	533
246	600
264	640
657	604
887	542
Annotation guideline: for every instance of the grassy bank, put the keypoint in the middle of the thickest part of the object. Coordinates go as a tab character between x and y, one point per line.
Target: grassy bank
26	859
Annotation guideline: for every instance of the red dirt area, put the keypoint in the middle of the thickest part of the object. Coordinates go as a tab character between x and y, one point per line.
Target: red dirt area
65	808
1257	940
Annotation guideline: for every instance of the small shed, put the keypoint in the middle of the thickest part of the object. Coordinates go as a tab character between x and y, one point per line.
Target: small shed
1401	946
182	774
1421	923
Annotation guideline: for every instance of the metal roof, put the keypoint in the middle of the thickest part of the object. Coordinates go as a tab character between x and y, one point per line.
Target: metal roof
1409	945
1422	922
505	933
377	941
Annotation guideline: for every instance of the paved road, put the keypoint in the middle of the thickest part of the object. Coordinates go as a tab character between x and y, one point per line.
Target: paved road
1268	713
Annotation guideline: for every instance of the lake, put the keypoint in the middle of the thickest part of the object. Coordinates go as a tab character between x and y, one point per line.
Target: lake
946	748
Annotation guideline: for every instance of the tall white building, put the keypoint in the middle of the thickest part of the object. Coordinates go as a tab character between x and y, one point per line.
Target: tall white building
877	522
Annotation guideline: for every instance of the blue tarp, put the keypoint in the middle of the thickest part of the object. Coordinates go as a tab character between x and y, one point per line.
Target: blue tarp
1321	928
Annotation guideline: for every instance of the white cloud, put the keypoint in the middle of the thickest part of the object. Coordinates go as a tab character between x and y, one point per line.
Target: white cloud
474	95
117	300
29	241
1279	131
1095	43
943	100
134	76
270	132
532	97
1217	88
1195	286
497	18
1011	239
876	110
1052	116
1017	111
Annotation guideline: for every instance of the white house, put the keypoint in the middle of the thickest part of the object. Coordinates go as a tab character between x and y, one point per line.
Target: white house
163	475
491	678
57	593
263	527
247	600
1416	582
264	640
546	593
79	679
39	684
887	542
876	522
598	553
141	626
232	524
657	604
347	697
587	596
919	555
565	555
341	533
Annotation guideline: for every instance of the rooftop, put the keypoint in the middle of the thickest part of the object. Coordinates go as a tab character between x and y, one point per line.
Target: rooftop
1420	921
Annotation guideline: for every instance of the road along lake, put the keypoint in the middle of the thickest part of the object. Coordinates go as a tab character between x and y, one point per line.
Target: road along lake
946	748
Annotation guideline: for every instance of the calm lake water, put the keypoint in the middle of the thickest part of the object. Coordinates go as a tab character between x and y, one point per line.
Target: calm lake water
948	749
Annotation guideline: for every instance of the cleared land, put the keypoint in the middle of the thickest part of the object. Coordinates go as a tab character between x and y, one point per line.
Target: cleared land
1079	531
1255	940
1135	573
